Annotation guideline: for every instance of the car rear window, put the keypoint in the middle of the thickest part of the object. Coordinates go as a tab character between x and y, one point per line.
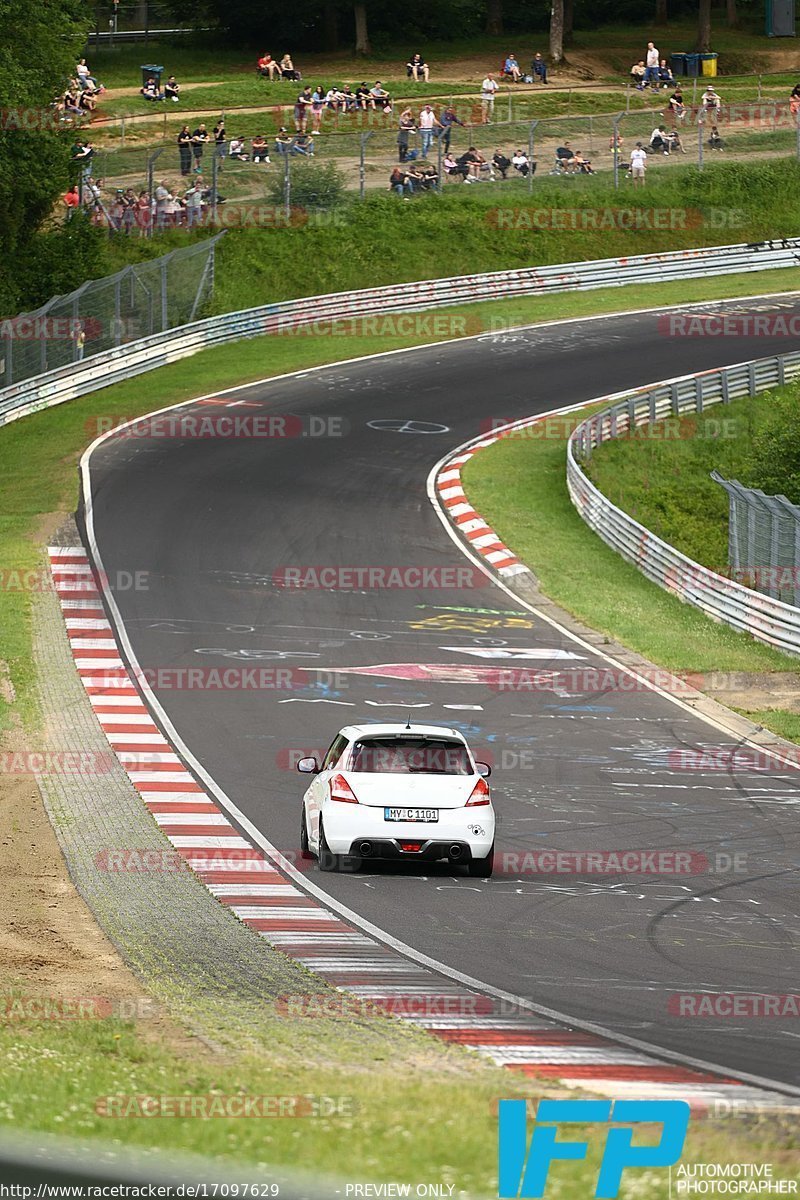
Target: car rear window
410	756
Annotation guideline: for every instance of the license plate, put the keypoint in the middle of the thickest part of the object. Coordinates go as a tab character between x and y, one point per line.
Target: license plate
411	814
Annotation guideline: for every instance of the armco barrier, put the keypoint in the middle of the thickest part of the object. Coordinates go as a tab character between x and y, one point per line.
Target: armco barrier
764	618
112	366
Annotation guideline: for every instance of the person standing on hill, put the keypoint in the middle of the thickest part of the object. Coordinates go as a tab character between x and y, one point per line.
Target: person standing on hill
185	150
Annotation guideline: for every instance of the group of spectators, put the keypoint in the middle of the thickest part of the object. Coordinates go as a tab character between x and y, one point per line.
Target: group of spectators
268	68
512	70
79	99
651	71
127	210
151	90
470	167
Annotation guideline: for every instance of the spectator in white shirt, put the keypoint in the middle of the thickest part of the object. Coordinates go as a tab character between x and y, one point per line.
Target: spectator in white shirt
638	164
651	64
489	88
428	121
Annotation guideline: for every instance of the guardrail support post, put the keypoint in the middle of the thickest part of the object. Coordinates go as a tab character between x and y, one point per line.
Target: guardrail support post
751	379
698	393
164	304
726	391
651	408
631	415
781	370
674	399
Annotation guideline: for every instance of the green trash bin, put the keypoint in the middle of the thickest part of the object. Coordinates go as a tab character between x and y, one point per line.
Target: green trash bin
693	65
678	63
152	72
708	64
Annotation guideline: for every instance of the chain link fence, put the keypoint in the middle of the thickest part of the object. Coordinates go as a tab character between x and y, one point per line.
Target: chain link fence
104	314
763	541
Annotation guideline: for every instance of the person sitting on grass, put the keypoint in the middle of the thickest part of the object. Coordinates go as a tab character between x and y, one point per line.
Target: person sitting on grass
399	181
238	150
637	74
87	102
417	68
151	90
539	68
474	161
583	165
715	142
501	163
303	144
267	67
453	167
380	98
172	89
362	95
283	141
288	69
260	149
659	141
511	68
794	100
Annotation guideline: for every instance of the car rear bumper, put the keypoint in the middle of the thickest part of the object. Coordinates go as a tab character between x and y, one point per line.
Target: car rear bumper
471	830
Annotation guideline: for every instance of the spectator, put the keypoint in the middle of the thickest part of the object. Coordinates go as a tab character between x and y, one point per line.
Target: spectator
199	139
86	103
362	95
583	165
676	105
288	70
85	78
151	90
638	165
637	74
794	100
303	144
220	141
164	205
380	98
474	161
539	68
428	122
659	141
72	198
452	167
348	101
399	181
416	67
511	68
715	142
193	204
651	65
238	150
267	67
501	162
521	163
283	141
260	149
447	119
615	144
711	103
128	204
302	105
172	89
185	150
144	212
665	74
489	89
317	106
406	127
565	157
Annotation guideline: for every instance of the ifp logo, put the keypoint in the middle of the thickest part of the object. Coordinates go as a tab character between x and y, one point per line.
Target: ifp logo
523	1170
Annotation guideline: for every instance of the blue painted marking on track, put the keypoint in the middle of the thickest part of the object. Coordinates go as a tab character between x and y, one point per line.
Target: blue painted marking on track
581	707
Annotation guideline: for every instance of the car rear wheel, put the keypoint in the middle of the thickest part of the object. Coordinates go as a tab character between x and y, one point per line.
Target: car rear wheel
328	861
481	868
305	849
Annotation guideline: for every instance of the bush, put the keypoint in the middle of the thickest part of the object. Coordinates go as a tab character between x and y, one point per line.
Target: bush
313	185
773	464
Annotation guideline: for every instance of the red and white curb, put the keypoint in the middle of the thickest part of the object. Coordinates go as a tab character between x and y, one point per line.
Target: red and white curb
470	524
241	876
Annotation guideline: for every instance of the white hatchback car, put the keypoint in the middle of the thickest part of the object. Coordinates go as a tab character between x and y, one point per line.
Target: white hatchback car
398	792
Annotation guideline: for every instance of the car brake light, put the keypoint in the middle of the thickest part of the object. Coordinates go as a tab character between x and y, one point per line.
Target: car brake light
480	794
411	847
341	790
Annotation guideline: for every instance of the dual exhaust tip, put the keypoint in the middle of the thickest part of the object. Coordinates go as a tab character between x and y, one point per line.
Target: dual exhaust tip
454	852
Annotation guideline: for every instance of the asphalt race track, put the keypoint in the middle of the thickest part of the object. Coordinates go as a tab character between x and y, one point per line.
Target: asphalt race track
212	521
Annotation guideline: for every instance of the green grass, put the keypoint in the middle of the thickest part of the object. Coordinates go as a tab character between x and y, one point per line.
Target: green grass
419	1112
664	481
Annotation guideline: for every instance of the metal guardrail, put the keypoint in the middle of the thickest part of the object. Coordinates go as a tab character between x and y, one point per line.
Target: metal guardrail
764	618
67	383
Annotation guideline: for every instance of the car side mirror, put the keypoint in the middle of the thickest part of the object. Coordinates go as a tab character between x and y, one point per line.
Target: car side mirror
483	769
307	766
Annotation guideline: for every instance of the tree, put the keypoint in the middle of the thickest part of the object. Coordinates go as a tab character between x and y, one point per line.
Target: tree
557	31
731	14
661	12
569	19
39	46
494	17
704	27
362	33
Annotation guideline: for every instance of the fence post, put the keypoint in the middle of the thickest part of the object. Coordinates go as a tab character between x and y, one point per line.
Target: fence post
151	159
118	311
615	147
8	359
215	156
700	122
797	131
164	304
362	170
530	155
287	187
